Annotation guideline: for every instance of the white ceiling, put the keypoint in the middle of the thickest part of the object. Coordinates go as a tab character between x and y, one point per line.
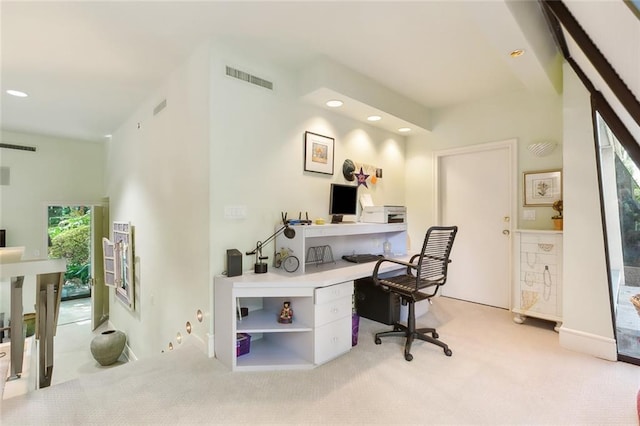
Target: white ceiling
86	65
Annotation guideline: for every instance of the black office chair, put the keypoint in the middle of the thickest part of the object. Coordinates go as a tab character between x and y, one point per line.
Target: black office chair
425	271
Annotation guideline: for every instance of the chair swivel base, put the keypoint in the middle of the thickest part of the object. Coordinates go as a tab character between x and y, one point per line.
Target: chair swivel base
420	334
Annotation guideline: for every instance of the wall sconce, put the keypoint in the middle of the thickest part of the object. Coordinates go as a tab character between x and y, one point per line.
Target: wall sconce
542	149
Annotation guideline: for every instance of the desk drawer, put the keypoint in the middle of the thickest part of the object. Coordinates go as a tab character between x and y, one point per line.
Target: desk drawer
332	311
333	292
332	340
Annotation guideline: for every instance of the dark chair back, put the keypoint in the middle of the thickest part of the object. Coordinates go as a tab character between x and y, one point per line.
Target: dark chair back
434	258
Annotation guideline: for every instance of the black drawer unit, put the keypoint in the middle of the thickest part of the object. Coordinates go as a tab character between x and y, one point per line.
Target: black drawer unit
374	303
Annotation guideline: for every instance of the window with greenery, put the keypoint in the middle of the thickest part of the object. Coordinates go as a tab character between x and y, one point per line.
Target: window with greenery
69	232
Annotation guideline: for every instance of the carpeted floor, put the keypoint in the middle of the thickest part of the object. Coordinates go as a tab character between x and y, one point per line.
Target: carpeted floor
500	373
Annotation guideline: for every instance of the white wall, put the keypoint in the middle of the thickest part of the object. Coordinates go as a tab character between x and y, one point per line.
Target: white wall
257	155
257	152
521	115
587	324
61	171
158	179
221	142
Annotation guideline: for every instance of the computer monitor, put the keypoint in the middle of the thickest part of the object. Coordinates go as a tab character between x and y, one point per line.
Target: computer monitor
343	199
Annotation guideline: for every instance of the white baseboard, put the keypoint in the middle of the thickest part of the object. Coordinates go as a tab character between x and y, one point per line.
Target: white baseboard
587	343
128	353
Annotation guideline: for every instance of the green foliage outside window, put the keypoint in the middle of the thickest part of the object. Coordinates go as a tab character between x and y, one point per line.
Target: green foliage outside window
69	235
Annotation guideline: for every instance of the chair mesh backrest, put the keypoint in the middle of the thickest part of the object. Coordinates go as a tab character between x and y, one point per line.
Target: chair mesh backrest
436	249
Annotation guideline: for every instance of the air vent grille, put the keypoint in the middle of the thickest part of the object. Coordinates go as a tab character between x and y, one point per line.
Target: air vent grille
249	78
18	147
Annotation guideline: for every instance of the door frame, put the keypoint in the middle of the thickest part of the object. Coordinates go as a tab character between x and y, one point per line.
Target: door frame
104	204
511	145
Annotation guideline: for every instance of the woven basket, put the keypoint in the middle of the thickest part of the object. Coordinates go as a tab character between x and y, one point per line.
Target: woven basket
636	302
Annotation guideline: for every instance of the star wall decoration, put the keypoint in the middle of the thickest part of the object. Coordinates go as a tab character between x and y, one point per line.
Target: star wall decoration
362	178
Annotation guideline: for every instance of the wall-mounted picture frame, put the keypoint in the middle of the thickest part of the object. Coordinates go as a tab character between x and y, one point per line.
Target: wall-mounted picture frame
542	188
318	153
118	262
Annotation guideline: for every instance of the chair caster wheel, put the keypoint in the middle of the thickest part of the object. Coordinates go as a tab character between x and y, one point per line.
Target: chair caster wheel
435	335
448	352
408	357
378	341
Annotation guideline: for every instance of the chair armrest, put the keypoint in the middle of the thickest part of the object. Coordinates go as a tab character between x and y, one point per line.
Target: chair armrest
409	266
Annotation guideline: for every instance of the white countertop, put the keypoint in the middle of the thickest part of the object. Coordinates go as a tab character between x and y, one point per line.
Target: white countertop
320	276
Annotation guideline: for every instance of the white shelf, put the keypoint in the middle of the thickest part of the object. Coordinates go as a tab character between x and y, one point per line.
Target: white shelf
266	321
343	229
266	356
344	238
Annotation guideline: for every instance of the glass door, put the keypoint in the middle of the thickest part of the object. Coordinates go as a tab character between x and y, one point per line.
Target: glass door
621	196
69	237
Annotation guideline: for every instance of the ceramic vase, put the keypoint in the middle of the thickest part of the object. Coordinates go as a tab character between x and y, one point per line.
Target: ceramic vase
107	347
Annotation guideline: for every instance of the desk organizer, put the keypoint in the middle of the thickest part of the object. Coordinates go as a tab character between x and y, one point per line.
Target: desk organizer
320	255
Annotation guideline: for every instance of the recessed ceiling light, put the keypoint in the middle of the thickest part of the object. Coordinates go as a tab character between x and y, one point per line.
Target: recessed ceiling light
404	129
17	93
108	136
516	53
334	103
374	118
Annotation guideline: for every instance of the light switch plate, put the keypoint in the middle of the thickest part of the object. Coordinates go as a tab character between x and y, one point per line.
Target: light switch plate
235	212
529	214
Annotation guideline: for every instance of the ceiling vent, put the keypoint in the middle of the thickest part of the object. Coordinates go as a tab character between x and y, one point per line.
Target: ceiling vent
249	78
18	147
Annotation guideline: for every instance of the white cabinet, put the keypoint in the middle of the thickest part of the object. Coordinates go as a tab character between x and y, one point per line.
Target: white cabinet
320	331
537	284
333	309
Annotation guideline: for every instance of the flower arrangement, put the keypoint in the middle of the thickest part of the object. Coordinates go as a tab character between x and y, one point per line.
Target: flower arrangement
557	206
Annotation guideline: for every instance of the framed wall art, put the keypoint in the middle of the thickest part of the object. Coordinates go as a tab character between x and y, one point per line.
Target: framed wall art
318	153
118	262
542	188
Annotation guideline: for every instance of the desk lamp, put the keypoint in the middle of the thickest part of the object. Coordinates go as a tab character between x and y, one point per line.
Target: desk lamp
260	267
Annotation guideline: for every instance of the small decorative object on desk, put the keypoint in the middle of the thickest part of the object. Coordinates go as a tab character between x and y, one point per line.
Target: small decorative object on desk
557	219
386	248
286	314
635	299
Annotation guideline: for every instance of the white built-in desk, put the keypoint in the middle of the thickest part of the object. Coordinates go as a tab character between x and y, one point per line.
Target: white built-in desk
321	297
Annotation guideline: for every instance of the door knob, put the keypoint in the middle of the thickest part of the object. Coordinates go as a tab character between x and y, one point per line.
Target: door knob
505	232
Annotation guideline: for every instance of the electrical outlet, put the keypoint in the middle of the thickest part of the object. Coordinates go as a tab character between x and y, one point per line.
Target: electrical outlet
529	214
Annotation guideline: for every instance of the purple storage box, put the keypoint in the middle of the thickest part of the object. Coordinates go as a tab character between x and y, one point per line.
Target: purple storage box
243	343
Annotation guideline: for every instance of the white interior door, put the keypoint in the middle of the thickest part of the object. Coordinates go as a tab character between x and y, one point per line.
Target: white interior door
475	188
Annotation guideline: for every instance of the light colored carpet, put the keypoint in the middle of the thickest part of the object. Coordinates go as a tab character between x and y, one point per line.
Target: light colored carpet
500	373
